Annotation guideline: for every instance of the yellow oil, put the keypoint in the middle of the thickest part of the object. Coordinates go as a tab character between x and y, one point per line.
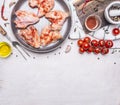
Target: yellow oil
5	49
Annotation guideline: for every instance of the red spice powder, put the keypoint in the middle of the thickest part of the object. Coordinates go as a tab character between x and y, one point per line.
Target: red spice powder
91	22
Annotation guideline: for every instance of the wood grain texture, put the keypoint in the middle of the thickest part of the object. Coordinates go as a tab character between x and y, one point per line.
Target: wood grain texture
94	7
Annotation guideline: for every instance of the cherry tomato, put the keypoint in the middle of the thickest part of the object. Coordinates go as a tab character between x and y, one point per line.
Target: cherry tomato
80	42
81	50
101	43
94	43
104	51
109	44
97	50
86	46
115	31
87	39
91	49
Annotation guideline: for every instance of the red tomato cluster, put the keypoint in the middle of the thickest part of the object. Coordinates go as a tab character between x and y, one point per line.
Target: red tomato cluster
116	31
95	46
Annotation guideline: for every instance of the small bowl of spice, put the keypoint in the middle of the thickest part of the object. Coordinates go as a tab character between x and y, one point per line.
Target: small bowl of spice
112	12
5	50
93	22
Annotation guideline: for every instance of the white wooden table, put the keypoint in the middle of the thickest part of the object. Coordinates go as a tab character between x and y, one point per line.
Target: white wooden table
58	78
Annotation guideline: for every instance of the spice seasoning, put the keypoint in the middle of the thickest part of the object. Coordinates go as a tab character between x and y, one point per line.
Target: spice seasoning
91	22
85	3
5	24
114	10
2	11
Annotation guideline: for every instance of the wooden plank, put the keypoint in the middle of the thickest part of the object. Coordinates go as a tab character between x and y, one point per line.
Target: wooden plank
96	7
